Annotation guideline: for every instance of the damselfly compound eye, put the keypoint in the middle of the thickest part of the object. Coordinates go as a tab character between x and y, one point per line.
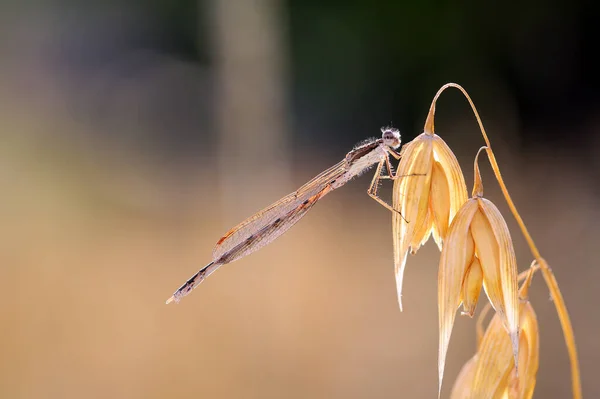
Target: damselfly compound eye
391	137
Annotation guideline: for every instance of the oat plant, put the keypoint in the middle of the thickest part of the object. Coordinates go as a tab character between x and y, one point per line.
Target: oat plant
476	252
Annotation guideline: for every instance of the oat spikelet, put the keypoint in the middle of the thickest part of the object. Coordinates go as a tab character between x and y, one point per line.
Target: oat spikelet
478	250
491	372
428	200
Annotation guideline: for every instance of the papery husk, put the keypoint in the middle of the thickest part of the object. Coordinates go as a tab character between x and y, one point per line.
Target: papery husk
494	373
494	248
456	256
428	198
471	288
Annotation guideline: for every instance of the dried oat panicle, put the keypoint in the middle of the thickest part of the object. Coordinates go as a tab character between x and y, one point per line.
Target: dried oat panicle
428	201
478	250
526	390
491	372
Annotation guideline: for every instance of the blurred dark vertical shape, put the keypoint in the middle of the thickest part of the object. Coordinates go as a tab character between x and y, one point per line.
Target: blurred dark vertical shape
249	48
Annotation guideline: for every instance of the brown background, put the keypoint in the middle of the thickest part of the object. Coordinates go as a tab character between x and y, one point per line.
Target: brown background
101	219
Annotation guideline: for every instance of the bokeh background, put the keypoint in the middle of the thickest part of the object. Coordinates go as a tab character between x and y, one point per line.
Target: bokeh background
133	134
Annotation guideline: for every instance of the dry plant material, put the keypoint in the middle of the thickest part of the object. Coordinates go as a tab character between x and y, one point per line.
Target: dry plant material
478	239
471	286
491	373
434	198
477	250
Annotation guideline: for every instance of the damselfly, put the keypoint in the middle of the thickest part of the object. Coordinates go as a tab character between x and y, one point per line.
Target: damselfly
265	226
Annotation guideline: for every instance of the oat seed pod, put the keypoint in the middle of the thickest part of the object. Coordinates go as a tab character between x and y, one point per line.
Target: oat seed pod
478	235
491	372
428	198
472	287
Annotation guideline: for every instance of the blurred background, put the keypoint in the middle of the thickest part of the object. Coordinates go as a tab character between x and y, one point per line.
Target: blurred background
133	134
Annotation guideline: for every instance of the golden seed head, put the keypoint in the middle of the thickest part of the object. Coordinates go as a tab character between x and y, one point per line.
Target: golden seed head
491	373
428	198
478	251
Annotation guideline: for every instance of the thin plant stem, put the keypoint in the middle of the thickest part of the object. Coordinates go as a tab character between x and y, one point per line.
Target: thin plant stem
549	278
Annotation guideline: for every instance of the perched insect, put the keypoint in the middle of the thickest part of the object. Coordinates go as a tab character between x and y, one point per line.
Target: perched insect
265	226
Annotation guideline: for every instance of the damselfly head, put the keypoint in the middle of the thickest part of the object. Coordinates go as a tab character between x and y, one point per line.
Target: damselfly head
391	137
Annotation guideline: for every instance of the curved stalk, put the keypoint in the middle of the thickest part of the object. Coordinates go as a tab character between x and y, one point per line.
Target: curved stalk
557	298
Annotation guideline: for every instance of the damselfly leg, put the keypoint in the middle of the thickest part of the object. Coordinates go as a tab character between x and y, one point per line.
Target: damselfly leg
379	174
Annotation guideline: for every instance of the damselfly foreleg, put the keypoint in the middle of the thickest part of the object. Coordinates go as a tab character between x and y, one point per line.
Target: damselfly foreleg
372	191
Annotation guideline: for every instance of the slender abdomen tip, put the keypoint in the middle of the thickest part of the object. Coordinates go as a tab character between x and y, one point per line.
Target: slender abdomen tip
170	300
